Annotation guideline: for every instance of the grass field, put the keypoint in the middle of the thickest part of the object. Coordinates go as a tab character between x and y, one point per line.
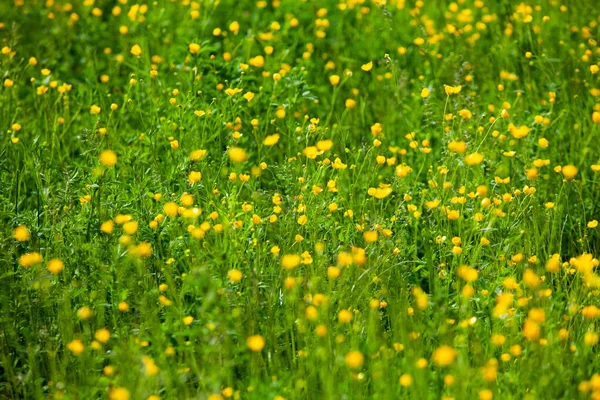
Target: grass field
287	199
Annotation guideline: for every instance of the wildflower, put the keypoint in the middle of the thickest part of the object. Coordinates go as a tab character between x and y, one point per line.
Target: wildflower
367	67
591	338
406	380
55	266
150	366
457	146
271	140
29	259
569	171
380	193
194	177
469	274
450	90
76	347
102	335
130	227
453	215
354	359
258	61
235	275
338	164
466	114
21	233
108	158
255	343
194	48
290	261
85	313
311	152
136	50
474	159
444	355
238	155
344	317
376	129
324	145
197	155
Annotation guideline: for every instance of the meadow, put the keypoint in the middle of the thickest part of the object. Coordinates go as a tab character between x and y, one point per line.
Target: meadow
299	199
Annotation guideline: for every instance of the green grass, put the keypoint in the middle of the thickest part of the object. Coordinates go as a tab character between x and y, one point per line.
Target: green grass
380	305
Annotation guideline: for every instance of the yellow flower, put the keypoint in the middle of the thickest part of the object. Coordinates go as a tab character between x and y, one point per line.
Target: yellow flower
171	209
457	146
592	224
444	355
367	67
452	89
344	317
354	359
130	227
194	48
466	114
234	27
474	159
108	158
520	132
238	155
371	236
311	152
290	261
271	140
258	61
150	366
338	164
55	266
144	249
136	50
406	380
380	193
29	259
95	110
432	204
76	347
255	343
591	338
197	155
324	145
569	171
376	129
102	335
21	233
467	273
425	93
194	176
334	80
453	215
85	313
188	320
235	275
